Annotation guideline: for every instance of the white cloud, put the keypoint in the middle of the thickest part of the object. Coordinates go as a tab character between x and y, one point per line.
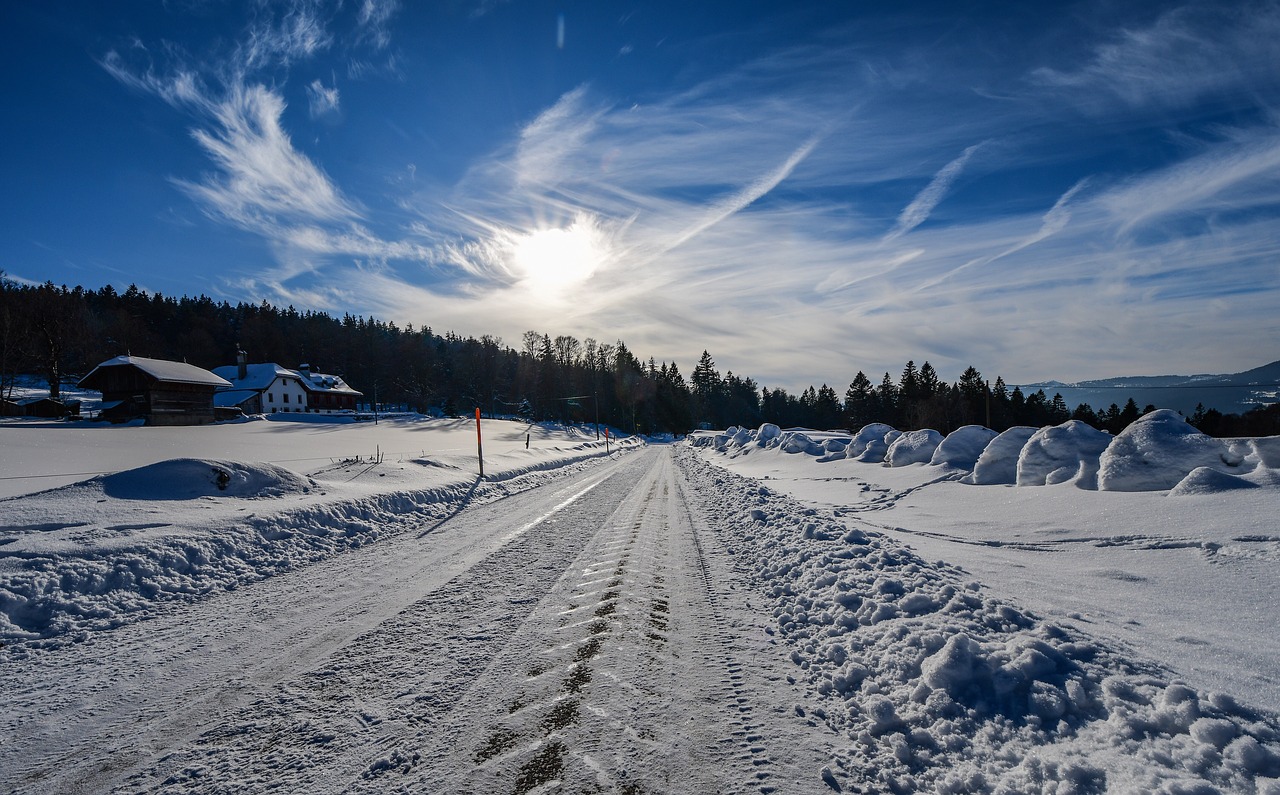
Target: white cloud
1233	175
298	33
374	19
1186	54
324	100
919	209
181	89
555	135
263	179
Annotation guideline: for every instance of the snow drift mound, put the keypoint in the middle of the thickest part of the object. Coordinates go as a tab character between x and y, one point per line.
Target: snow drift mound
998	463
1061	453
767	433
1207	480
190	478
962	447
1159	449
913	447
868	435
797	442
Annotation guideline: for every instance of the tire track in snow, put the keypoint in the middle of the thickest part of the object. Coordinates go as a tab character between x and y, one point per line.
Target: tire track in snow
349	723
746	741
131	697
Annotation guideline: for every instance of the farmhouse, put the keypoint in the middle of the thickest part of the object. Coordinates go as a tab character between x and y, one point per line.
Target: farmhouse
326	393
269	388
160	391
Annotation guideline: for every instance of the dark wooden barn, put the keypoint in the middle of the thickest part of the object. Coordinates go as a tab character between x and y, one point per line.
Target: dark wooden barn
159	391
49	408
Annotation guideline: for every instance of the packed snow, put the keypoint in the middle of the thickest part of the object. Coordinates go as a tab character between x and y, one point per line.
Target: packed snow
103	551
1044	610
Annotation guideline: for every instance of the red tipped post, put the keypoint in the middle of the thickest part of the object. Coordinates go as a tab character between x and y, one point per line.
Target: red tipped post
479	444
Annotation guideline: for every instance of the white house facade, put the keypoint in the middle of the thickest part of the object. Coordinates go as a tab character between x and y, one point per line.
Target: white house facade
269	388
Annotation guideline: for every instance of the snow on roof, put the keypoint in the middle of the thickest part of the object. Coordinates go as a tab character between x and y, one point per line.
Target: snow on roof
257	376
323	382
260	376
232	397
161	370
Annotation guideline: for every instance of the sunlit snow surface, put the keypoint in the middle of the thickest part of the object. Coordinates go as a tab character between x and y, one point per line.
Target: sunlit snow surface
180	512
1119	641
1101	618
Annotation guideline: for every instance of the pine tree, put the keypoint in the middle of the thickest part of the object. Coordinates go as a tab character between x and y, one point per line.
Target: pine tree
826	409
887	397
859	402
973	396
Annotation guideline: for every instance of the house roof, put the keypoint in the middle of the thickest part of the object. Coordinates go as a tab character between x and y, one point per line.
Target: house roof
257	376
323	382
159	369
233	397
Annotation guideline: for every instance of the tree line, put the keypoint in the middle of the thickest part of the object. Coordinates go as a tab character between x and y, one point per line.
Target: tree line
61	333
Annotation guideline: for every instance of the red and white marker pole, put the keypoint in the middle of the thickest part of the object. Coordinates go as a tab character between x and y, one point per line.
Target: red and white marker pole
479	444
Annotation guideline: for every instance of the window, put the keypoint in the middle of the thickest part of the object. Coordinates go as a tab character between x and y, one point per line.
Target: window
286	397
271	398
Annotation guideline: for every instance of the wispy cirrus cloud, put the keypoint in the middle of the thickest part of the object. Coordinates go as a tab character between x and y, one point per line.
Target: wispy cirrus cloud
1224	176
374	19
1186	54
922	205
323	100
286	33
263	181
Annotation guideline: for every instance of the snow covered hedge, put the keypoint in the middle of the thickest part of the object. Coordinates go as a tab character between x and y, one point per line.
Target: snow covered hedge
1158	452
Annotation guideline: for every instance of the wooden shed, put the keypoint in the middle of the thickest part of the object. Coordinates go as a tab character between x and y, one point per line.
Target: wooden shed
49	408
160	391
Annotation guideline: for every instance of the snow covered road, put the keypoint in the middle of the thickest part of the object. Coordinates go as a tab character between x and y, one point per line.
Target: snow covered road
647	623
573	633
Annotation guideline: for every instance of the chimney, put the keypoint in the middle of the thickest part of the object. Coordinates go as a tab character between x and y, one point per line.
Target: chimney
242	364
305	369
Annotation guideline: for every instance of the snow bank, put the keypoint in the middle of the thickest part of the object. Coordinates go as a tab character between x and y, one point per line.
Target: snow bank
913	447
1062	453
962	447
797	442
740	441
867	435
189	478
104	552
1154	454
1207	480
1159	449
998	464
941	688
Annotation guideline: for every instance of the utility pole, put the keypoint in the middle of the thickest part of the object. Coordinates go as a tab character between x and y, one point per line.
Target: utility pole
988	396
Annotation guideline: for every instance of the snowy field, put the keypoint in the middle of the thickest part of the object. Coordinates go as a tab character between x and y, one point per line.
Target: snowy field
337	607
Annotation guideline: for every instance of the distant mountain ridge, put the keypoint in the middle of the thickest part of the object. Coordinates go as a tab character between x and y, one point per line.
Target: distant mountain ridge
1228	393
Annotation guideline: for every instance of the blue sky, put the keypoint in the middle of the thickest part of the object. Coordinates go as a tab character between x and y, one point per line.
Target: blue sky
804	189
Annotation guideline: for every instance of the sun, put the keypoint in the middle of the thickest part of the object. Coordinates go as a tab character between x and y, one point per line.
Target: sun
551	261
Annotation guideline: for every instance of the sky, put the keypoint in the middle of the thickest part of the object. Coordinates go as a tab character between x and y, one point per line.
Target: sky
1044	191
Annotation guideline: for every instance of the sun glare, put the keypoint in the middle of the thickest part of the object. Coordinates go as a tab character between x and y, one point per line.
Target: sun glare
550	261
